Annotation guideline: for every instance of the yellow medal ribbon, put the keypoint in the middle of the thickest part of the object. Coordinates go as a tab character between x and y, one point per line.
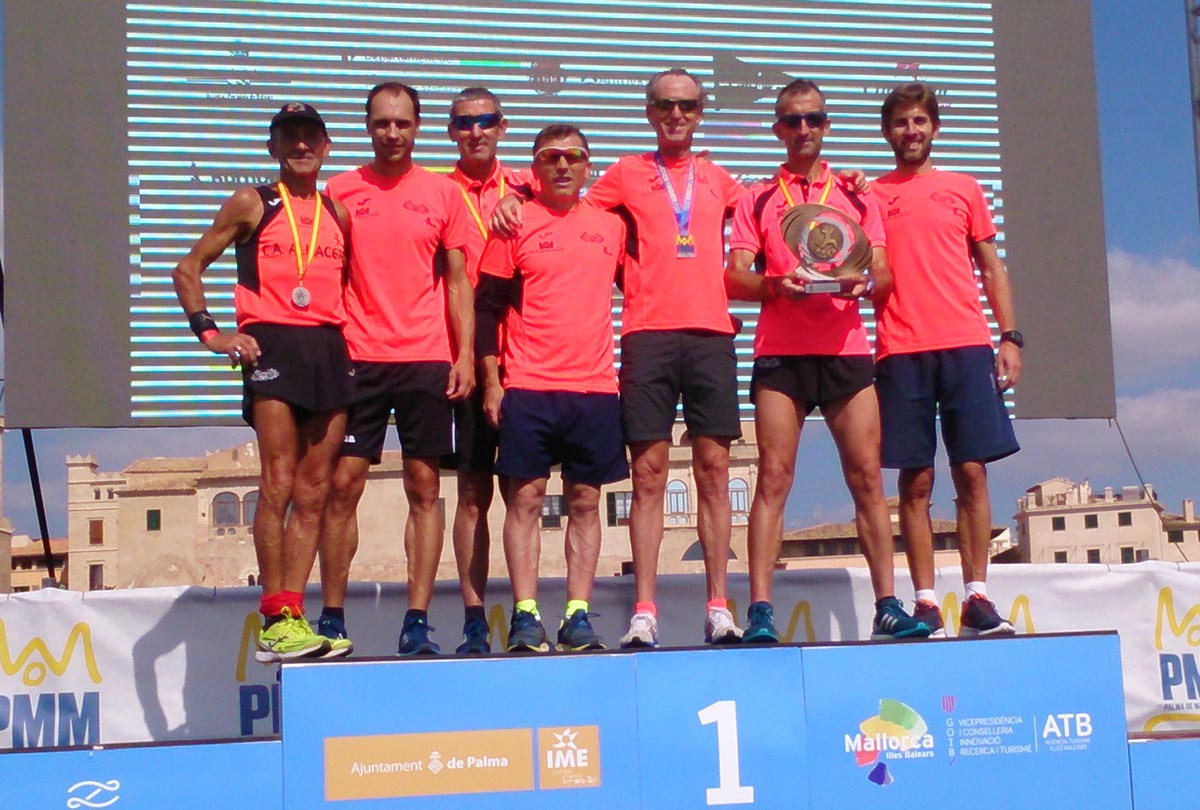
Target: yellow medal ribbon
302	261
478	217
787	195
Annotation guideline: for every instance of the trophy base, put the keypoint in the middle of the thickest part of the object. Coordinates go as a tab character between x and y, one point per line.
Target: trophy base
822	287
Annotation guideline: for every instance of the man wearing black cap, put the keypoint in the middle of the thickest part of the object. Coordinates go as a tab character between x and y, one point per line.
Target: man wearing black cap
291	265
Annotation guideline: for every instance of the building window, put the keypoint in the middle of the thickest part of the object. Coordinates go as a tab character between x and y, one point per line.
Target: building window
1175	536
1058	524
249	507
739	495
95	494
620	504
96	532
1124	518
96	576
1093	555
553	507
226	510
1091	521
111	494
1060	556
1143	554
1126	555
677	498
153	520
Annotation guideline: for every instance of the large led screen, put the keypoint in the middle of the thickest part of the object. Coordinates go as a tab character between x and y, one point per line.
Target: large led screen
127	124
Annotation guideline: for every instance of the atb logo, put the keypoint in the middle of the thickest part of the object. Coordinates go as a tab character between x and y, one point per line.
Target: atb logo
570	757
93	794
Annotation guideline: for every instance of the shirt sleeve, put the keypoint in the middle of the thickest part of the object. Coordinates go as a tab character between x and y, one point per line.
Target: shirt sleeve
456	234
605	193
872	221
731	189
745	233
982	226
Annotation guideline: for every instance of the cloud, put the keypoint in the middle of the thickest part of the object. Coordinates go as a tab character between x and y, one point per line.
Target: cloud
1156	331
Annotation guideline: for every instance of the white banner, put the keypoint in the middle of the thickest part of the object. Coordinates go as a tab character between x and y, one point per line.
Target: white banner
178	663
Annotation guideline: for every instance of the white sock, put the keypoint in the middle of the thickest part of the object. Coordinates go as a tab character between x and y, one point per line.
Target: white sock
927	595
976	587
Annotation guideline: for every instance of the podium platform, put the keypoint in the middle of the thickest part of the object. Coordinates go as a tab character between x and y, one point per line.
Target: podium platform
1028	721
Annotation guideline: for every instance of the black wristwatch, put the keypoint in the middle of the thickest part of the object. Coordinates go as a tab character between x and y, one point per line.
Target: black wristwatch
1014	337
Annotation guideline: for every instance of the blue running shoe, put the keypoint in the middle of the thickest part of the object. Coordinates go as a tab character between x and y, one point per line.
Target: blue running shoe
761	626
334	630
891	622
475	638
414	637
526	634
979	618
576	633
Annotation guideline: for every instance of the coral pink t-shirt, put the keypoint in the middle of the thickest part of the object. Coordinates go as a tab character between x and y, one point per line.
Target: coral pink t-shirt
932	220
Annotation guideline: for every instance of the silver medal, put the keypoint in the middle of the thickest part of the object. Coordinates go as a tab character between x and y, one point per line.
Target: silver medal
301	297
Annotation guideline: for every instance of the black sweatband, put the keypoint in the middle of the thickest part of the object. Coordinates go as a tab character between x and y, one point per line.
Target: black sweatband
201	322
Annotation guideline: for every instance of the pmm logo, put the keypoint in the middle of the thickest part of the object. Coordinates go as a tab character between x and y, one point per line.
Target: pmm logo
256	701
50	718
33	672
1179	673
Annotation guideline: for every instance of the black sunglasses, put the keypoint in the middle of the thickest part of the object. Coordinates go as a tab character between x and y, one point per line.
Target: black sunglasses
813	119
685	105
466	122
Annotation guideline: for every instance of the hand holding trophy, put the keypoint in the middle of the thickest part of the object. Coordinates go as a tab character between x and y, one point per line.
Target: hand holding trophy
832	249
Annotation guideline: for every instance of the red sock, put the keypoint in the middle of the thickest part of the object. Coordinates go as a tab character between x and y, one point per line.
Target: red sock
273	604
646	607
718	603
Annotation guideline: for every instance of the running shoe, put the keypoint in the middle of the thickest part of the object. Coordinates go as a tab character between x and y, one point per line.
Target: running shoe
335	631
891	622
414	637
643	631
475	638
761	626
576	633
719	627
929	613
526	634
289	638
979	618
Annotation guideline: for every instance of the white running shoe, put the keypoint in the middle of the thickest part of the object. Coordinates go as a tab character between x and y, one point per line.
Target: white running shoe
720	628
643	631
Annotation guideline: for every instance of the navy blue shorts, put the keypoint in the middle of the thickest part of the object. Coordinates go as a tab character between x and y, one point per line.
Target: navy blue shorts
539	429
657	367
960	385
416	393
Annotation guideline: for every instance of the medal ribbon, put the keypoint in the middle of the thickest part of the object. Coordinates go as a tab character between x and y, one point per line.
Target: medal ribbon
302	261
683	214
475	214
787	195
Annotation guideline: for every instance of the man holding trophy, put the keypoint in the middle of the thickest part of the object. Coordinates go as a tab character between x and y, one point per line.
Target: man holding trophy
816	236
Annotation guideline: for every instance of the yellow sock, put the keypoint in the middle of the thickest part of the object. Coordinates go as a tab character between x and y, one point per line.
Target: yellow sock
529	606
576	604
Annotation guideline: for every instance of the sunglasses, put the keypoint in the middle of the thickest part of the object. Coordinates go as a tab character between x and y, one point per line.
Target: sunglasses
467	122
550	155
685	105
813	119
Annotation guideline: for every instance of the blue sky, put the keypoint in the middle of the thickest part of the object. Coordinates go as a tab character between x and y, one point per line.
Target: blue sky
1153	241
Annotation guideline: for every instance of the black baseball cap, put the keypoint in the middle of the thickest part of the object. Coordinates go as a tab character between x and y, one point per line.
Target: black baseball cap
297	111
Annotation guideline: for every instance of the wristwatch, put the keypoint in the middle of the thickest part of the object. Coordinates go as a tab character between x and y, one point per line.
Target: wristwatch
1014	337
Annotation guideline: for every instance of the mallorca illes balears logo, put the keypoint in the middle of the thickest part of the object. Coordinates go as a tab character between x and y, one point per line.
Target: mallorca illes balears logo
897	733
41	719
1176	637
